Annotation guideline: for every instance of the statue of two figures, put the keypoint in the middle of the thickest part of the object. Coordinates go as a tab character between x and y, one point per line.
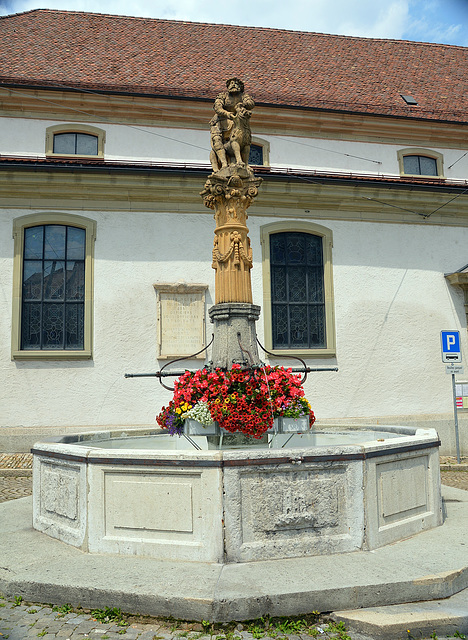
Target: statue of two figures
230	127
229	191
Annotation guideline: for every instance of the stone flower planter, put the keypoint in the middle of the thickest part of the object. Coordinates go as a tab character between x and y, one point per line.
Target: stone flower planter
195	428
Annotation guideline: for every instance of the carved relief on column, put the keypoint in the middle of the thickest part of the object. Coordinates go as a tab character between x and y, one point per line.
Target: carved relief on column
230	196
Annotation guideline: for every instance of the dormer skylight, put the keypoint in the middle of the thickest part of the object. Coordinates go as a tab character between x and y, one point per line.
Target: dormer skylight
409	99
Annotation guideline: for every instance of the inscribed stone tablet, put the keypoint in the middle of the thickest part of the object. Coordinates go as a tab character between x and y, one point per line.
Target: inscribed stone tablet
181	316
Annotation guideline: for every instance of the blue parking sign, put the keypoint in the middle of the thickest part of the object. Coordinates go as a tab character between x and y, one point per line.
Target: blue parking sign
451	351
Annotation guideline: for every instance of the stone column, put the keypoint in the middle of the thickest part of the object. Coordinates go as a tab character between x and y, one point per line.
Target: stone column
235	336
229	192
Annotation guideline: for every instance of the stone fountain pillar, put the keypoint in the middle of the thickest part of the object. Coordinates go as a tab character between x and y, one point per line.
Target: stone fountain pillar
229	191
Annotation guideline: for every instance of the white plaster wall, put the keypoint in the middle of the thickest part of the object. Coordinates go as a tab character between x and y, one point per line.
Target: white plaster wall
26	137
392	301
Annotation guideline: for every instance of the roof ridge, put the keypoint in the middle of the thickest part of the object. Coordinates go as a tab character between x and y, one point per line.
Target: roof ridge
238	26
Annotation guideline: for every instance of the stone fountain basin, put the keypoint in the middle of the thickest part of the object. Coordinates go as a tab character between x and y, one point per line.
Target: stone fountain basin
237	505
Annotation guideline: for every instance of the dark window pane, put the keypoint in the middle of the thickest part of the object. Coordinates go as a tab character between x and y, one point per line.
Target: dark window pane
54	280
298	326
65	143
279	286
411	165
315	285
75	281
297	284
86	145
278	248
280	326
54	245
82	144
52	326
420	165
76	243
428	166
33	241
256	154
317	326
297	291
31	326
314	250
53	288
32	280
74	323
295	248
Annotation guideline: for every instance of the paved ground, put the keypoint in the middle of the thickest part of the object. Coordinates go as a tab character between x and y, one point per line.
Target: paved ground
19	621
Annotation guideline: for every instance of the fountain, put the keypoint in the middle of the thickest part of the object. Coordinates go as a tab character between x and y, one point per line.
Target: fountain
213	498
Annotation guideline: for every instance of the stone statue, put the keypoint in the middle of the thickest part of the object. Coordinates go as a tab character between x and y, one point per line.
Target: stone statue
230	127
229	191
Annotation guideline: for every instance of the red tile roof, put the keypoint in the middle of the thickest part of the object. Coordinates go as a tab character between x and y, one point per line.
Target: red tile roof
186	59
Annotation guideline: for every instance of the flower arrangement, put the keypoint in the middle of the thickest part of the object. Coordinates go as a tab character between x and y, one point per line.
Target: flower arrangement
245	400
201	413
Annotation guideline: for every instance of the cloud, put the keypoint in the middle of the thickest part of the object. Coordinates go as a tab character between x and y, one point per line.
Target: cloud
364	18
427	20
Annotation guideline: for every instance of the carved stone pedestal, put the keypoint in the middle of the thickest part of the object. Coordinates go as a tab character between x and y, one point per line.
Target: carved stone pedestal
230	192
234	334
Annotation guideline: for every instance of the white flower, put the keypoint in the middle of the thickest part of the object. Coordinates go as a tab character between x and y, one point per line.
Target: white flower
201	413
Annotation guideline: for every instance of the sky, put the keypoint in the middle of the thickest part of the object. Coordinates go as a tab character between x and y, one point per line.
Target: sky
444	21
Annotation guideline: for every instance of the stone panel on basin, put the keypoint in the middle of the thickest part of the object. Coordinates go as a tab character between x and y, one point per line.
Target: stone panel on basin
402	489
137	505
286	511
156	511
274	502
402	496
59	489
59	486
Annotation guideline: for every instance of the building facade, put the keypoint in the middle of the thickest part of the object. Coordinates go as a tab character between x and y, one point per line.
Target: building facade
106	245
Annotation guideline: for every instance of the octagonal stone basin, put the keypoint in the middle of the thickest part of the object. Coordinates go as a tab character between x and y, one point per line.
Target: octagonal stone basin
142	492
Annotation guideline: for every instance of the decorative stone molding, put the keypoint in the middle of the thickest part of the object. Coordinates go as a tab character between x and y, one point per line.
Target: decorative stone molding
229	193
460	279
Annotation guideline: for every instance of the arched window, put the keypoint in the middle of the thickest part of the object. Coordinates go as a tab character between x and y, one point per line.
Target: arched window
259	152
419	162
71	140
53	286
298	289
80	144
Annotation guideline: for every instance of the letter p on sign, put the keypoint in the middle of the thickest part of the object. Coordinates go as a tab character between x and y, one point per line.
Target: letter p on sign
451	351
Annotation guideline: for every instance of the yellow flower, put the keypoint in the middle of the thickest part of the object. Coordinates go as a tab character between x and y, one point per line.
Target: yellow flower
178	410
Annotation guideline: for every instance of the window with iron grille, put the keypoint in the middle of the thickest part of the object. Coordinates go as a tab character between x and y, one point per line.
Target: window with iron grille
297	291
53	288
256	155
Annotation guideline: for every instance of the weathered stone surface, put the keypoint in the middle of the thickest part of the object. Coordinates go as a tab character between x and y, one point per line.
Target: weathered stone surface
239	505
230	126
229	191
235	338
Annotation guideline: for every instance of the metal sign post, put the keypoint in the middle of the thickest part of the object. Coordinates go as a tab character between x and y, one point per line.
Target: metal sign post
455	415
451	352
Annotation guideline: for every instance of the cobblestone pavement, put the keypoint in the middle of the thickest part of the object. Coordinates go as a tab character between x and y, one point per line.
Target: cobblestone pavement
19	621
14	486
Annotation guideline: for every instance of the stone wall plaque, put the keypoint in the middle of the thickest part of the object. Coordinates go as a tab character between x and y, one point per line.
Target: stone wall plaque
181	319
